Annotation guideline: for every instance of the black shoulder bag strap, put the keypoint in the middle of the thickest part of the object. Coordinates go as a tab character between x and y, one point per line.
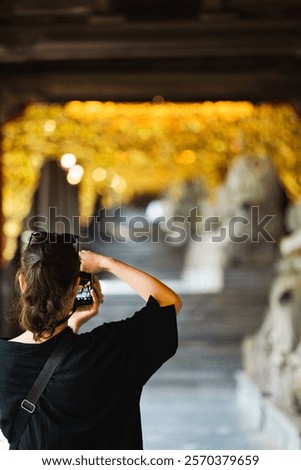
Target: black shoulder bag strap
28	405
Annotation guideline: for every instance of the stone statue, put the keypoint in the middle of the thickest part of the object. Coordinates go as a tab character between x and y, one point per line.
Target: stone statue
242	224
272	356
249	207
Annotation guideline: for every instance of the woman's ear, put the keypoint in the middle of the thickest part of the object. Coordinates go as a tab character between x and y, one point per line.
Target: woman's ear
22	282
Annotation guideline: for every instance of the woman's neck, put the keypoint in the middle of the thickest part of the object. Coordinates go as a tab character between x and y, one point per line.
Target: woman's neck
28	338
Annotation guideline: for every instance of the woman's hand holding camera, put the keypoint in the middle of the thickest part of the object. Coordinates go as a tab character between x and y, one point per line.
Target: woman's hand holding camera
85	312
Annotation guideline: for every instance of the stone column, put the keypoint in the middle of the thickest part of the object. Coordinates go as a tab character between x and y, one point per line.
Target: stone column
13	98
55	192
11	104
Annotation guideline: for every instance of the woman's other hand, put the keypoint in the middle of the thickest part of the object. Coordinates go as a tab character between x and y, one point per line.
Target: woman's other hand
93	262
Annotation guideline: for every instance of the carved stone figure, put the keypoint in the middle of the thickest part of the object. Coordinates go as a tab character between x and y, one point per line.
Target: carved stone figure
272	356
249	206
242	224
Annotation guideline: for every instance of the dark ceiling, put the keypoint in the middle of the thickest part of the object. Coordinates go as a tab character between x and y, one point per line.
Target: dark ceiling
136	49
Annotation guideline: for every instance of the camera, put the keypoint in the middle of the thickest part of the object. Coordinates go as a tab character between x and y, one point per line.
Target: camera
83	296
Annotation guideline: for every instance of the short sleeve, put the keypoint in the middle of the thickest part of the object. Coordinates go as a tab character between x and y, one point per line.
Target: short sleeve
158	336
140	344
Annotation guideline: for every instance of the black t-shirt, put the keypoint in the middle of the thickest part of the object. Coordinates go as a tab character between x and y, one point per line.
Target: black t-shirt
92	399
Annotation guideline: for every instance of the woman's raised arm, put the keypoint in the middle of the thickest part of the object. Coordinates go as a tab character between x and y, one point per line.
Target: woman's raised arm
141	282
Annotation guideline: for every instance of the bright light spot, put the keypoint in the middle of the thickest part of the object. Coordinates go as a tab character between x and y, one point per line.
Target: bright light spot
50	125
155	210
68	160
25	236
11	228
115	181
75	174
99	174
118	184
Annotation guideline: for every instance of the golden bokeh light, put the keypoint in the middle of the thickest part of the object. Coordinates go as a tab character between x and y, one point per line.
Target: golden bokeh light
99	174
75	174
68	160
128	149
